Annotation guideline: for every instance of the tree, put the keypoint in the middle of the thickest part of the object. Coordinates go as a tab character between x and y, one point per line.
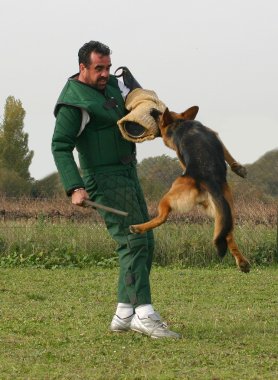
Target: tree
49	186
157	174
14	152
12	184
261	181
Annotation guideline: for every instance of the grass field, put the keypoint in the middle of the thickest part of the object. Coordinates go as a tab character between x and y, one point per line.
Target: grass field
54	325
48	245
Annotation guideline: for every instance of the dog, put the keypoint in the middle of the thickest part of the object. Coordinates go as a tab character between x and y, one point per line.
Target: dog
203	182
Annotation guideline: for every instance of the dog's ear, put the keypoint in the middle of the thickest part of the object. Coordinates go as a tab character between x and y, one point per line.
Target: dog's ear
167	117
155	113
190	113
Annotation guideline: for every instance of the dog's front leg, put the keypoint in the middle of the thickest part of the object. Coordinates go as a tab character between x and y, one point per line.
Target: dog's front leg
234	165
164	209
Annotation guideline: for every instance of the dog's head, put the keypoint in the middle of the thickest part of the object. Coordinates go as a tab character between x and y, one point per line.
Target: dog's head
166	118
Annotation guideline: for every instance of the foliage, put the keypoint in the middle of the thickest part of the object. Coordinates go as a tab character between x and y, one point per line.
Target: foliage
15	156
12	183
55	325
265	171
157	174
50	186
67	244
262	179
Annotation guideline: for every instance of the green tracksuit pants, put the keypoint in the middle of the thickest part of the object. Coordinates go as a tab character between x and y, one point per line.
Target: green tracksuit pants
120	189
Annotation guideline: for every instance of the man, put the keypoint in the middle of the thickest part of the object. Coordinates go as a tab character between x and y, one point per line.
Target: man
87	112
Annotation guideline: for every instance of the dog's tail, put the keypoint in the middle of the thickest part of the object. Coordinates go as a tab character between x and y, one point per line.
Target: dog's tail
223	217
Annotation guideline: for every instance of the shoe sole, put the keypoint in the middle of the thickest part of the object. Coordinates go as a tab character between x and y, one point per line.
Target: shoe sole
150	336
119	330
141	332
156	337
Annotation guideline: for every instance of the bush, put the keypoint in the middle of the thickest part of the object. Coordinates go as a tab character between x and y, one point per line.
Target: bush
47	245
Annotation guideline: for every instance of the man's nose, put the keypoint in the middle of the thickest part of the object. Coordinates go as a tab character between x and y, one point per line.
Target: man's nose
105	73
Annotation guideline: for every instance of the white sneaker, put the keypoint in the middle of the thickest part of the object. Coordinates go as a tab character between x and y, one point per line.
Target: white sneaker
153	327
120	324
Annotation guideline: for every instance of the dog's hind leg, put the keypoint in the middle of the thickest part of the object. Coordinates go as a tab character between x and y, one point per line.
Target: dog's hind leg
241	261
181	197
164	209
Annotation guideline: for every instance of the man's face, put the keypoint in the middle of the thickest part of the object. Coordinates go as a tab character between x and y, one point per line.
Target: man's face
97	73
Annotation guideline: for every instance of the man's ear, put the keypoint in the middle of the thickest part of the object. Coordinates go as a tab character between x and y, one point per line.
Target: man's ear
82	67
167	117
155	113
190	113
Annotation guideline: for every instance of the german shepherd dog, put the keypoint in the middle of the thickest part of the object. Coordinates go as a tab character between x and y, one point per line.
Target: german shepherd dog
203	182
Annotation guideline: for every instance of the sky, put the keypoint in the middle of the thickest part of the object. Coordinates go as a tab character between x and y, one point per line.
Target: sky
218	54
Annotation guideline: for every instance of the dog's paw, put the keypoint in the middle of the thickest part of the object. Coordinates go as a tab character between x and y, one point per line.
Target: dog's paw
138	228
133	229
244	266
239	169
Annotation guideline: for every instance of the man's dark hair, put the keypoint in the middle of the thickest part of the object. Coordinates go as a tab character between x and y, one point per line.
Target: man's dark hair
85	51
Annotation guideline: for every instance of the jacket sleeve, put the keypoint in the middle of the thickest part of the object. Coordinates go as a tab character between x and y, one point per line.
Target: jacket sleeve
68	122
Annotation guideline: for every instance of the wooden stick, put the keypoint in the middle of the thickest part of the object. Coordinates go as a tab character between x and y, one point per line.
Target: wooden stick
87	202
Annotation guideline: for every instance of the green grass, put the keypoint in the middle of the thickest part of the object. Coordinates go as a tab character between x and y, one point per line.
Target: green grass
67	244
54	325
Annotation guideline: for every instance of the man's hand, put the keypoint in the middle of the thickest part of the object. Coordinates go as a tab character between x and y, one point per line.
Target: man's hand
78	196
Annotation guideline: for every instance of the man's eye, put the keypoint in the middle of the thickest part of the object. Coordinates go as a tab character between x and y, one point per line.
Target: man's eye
102	68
